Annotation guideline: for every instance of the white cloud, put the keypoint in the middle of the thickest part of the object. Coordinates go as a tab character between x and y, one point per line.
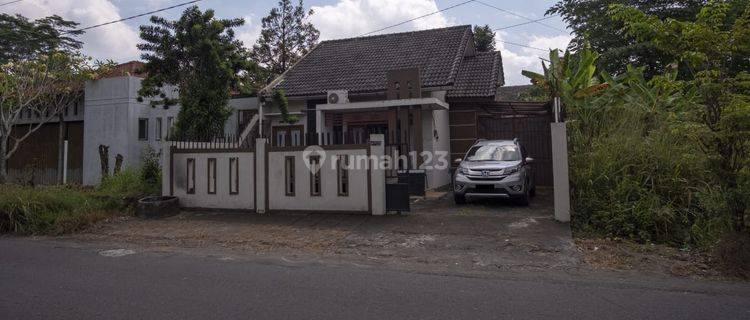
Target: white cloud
116	41
249	32
351	18
516	58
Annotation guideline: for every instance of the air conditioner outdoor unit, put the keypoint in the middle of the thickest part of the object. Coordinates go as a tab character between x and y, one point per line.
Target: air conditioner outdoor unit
338	96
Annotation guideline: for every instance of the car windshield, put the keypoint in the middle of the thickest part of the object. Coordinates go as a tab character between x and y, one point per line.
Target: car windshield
494	153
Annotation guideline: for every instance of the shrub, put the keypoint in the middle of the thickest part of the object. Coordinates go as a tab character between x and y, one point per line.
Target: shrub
128	183
49	209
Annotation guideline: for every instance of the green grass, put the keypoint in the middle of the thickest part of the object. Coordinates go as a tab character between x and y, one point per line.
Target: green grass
63	209
129	183
50	209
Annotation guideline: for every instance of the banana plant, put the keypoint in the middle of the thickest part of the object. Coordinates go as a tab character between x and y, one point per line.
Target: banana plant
570	77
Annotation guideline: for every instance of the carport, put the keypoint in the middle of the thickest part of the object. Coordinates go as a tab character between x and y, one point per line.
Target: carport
505	120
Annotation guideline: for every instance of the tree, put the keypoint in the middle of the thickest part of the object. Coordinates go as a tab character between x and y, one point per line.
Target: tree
21	39
201	57
594	28
44	86
287	35
484	38
714	47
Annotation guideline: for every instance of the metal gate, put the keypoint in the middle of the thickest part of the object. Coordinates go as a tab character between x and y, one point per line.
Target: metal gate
398	177
529	122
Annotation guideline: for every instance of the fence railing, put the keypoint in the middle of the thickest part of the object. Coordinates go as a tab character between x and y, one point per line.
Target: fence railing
226	141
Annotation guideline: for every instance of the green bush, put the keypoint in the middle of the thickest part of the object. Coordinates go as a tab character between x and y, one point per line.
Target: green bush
49	209
635	171
129	183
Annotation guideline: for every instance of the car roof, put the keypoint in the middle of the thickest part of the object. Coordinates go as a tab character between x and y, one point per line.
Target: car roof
495	143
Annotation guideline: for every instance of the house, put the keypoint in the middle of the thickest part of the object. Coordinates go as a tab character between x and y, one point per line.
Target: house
110	115
399	84
426	94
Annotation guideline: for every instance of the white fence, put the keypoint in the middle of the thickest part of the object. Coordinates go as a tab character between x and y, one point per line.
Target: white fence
336	178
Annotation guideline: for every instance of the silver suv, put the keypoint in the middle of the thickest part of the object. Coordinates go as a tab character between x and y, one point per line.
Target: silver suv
494	169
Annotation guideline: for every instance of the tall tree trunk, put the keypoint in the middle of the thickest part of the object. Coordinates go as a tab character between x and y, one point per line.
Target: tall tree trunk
60	149
104	160
3	159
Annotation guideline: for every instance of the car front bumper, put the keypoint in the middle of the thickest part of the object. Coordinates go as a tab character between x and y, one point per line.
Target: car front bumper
509	186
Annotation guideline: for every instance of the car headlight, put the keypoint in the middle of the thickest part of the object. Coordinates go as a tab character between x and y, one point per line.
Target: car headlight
463	171
510	170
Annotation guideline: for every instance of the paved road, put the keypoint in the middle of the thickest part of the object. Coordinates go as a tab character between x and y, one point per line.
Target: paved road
45	280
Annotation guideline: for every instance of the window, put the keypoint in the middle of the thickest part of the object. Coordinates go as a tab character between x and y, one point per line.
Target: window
234	176
315	175
343	174
158	129
170	123
409	87
190	188
211	175
397	86
75	109
285	136
289	175
143	129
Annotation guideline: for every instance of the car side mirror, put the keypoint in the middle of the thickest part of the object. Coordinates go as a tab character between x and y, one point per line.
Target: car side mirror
457	161
529	160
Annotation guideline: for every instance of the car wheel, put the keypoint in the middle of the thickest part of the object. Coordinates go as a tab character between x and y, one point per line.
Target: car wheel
459	198
524	199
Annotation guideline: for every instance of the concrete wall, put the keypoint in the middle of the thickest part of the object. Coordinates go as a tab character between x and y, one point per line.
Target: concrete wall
222	199
329	200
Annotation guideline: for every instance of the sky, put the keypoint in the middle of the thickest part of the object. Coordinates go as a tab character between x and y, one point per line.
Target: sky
334	18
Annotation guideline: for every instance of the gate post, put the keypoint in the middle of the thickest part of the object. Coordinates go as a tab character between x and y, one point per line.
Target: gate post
377	174
166	168
560	171
261	175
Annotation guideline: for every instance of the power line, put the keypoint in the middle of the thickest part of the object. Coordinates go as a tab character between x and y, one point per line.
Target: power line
420	17
523	45
9	2
133	17
520	16
524	23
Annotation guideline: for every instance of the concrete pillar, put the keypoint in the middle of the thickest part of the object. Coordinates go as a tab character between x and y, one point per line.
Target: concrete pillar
377	174
166	168
560	171
260	175
319	122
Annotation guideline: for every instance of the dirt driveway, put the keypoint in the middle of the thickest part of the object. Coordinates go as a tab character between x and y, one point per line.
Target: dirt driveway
487	235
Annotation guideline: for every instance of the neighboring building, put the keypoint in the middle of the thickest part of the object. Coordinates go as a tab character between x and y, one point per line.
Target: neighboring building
115	118
400	84
36	159
109	114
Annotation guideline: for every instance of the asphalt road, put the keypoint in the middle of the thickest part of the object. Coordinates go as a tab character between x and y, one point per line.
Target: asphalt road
45	280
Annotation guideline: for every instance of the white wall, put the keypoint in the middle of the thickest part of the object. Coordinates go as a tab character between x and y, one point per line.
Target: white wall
111	118
244	200
329	200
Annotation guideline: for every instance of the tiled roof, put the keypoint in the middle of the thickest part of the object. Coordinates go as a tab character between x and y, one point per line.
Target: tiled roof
360	64
512	93
479	76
